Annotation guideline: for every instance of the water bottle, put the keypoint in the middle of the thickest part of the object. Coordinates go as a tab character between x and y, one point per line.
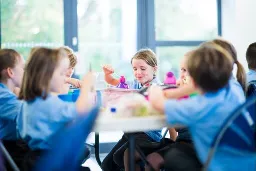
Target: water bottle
122	83
170	79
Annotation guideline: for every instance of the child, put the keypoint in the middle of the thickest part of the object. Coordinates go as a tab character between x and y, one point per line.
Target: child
44	114
251	60
72	63
144	65
184	87
11	73
210	68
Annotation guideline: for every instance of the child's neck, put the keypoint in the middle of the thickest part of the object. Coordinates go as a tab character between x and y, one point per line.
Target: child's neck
147	82
9	84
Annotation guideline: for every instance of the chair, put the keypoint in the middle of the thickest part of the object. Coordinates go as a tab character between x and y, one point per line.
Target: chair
68	145
140	145
8	157
251	89
237	134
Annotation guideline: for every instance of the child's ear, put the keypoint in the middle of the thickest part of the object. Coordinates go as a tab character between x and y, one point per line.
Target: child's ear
192	82
155	69
9	72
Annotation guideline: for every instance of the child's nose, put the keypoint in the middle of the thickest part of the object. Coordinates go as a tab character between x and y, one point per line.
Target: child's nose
138	71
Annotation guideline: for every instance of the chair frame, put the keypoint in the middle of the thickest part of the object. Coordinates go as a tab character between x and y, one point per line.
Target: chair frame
238	111
8	157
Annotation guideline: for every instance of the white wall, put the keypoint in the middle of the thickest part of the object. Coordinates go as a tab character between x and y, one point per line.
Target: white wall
239	24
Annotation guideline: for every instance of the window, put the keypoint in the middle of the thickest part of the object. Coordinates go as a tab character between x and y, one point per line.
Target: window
180	26
29	23
170	59
186	19
107	34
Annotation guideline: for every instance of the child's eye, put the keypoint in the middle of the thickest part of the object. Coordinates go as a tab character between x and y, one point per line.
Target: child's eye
143	69
134	69
183	70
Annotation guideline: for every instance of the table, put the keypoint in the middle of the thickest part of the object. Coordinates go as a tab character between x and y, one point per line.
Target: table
109	122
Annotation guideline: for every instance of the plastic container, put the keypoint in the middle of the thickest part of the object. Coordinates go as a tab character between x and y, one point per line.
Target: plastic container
122	83
66	97
170	78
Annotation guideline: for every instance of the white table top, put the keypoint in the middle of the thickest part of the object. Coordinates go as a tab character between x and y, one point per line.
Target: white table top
108	122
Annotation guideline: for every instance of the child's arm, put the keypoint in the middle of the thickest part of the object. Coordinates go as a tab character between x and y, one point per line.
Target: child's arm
179	92
85	102
156	98
108	70
75	82
65	87
173	134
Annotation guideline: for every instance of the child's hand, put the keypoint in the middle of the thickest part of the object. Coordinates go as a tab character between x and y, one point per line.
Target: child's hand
75	82
88	82
156	98
85	100
107	69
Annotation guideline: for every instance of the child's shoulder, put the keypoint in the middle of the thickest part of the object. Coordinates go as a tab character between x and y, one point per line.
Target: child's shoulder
5	93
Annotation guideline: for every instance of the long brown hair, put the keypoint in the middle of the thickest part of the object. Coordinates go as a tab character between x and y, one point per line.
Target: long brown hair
8	59
240	75
38	72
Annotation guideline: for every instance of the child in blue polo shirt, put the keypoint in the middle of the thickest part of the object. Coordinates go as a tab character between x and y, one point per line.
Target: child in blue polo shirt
44	114
11	68
11	73
144	64
251	60
210	68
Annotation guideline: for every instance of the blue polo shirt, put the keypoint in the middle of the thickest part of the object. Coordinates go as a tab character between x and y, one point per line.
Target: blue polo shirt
251	75
204	115
155	135
40	119
10	107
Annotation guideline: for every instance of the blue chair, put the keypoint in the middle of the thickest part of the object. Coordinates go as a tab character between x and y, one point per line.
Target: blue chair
251	89
237	135
68	145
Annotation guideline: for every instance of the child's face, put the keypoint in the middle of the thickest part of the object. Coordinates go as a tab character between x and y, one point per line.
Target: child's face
142	71
184	76
183	69
18	71
59	75
70	71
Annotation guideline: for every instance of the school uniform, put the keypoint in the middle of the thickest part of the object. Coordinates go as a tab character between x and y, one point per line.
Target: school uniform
205	120
114	160
40	119
251	76
10	107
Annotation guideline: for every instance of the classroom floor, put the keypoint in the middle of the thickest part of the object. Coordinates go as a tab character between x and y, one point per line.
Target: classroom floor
92	163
